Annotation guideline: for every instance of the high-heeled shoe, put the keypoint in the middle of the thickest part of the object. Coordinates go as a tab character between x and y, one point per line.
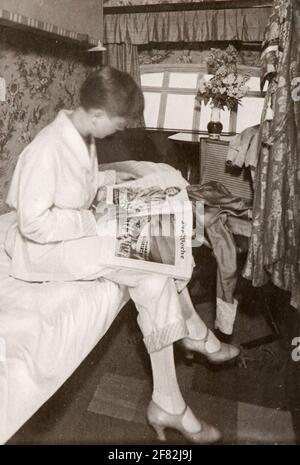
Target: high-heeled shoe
159	419
227	353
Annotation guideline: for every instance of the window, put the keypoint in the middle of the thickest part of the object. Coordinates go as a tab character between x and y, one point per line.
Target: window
179	111
170	90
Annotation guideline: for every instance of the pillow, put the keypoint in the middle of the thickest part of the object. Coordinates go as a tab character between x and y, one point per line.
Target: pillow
139	169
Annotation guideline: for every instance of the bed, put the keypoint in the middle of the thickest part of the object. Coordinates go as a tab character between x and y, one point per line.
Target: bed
46	331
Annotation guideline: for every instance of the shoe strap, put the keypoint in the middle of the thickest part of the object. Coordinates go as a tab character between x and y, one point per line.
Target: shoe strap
168	413
206	337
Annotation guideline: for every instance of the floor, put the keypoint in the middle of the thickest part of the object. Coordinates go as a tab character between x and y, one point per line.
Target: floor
104	402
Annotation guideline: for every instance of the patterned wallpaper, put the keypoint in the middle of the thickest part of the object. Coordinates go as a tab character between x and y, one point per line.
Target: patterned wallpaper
189	55
42	76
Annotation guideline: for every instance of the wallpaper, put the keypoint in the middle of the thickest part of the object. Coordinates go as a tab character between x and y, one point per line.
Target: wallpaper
42	76
172	55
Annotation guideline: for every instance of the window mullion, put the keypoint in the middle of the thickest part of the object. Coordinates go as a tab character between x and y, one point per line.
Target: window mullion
197	110
163	101
233	121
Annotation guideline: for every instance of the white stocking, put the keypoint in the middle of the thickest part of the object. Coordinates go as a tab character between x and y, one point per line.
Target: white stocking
196	326
166	391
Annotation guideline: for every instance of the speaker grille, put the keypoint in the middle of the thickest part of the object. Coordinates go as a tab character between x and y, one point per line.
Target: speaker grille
213	168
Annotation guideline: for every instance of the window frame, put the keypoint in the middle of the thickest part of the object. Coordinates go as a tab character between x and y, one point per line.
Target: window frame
201	69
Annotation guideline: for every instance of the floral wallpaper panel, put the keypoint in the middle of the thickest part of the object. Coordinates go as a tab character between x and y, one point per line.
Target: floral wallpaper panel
173	55
42	76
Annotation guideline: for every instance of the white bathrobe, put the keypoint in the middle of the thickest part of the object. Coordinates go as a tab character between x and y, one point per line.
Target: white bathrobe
55	237
54	184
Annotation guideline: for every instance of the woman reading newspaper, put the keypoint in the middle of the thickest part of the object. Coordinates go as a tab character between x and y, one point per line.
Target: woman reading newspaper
56	239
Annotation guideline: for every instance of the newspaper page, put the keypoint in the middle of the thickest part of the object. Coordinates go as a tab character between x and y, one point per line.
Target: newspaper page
147	225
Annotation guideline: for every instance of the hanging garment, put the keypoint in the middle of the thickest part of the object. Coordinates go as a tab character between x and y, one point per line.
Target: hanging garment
274	251
219	207
243	149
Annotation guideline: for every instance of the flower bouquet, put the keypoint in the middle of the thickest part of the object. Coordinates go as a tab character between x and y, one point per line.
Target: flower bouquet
225	89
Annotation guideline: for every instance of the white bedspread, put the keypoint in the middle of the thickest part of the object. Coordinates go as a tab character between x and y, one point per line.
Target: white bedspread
46	330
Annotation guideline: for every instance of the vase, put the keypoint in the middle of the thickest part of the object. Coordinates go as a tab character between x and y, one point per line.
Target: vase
214	127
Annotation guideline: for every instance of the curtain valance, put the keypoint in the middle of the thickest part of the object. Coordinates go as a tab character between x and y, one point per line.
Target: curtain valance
244	24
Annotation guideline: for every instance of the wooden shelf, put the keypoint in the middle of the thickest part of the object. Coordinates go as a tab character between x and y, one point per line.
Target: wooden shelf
19	21
192	6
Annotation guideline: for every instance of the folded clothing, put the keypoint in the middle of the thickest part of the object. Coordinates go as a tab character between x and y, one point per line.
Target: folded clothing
243	149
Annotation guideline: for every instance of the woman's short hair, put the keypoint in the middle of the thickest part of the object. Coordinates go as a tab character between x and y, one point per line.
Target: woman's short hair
114	91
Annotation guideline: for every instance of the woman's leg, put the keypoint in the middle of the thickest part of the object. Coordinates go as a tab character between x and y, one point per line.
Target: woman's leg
162	322
196	326
159	311
200	339
166	392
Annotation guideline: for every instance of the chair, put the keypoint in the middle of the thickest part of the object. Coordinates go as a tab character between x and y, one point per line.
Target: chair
238	181
213	168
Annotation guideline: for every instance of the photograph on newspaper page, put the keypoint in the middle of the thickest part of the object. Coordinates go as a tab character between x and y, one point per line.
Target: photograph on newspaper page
149	226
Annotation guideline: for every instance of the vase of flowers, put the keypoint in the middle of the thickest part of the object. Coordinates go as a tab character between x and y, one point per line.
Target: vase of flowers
215	127
225	89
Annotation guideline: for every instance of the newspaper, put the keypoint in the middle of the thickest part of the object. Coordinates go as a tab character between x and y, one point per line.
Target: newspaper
147	225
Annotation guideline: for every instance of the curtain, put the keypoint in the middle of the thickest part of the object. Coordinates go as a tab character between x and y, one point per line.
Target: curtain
244	24
274	252
125	58
124	32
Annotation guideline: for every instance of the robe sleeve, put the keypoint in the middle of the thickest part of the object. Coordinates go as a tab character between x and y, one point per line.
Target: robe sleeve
106	177
39	220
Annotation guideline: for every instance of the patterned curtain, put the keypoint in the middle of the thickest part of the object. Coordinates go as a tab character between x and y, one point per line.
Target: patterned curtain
241	24
124	32
274	252
124	57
